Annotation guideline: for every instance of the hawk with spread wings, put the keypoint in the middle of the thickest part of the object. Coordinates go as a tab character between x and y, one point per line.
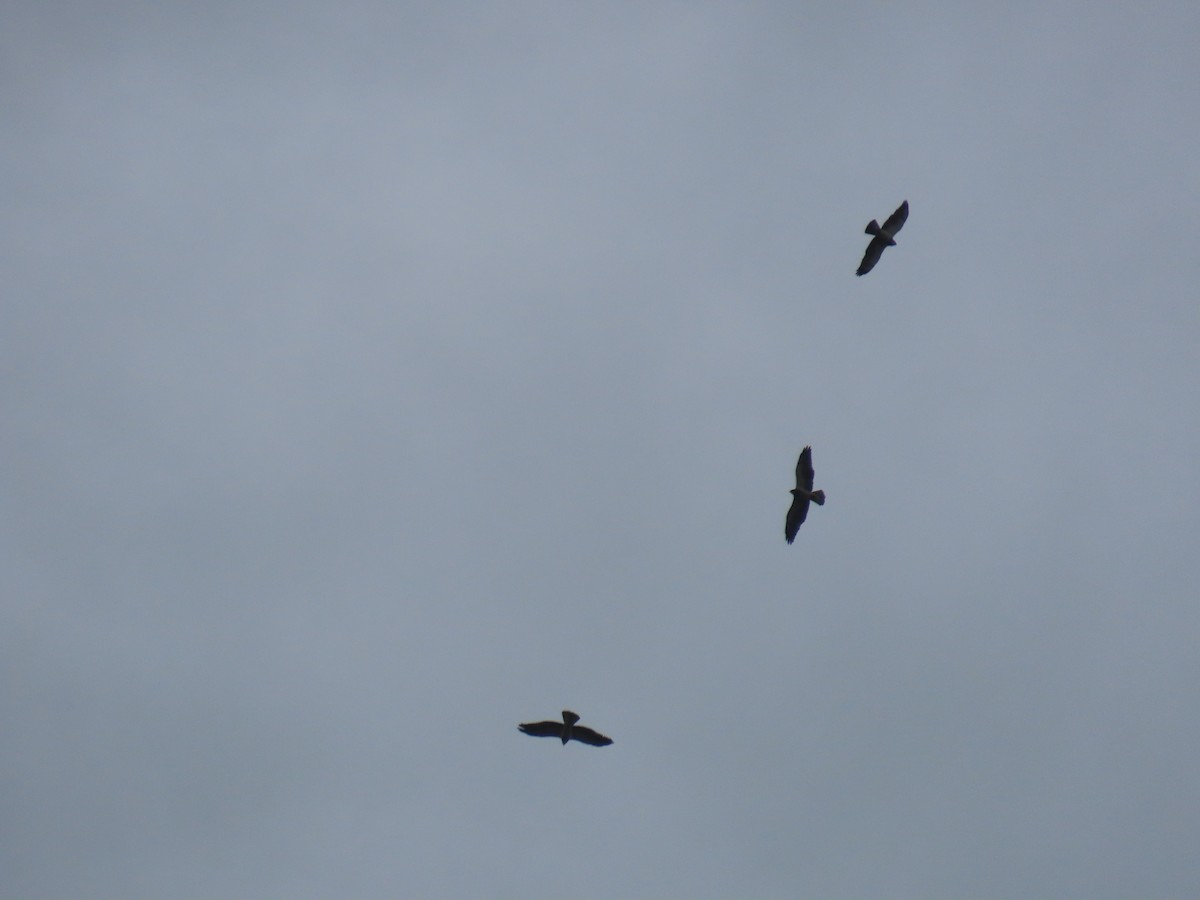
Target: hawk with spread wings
802	495
882	238
566	730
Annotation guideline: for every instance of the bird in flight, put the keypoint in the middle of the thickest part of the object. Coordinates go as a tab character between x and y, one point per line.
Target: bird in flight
802	495
566	730
882	238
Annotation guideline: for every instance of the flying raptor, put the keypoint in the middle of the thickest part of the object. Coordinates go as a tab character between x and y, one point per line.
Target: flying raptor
882	238
802	495
566	730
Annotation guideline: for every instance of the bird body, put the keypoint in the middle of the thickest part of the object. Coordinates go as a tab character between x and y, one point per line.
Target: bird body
566	730
802	495
882	236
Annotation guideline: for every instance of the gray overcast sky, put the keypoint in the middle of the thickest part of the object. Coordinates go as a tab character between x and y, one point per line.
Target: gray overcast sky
378	376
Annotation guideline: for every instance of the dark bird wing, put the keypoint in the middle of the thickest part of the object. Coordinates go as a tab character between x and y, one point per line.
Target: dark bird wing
896	220
542	729
795	517
587	736
874	251
804	470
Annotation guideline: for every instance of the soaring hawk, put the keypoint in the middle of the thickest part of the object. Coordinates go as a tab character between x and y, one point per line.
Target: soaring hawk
566	730
802	495
883	237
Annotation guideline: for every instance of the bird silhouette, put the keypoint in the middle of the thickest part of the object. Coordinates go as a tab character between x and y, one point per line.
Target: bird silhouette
566	730
802	495
882	238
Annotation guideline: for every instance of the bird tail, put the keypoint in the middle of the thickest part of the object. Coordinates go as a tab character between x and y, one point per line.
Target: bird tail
569	717
872	227
818	497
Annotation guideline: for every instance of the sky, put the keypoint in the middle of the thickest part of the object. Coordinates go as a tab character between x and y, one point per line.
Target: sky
378	376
